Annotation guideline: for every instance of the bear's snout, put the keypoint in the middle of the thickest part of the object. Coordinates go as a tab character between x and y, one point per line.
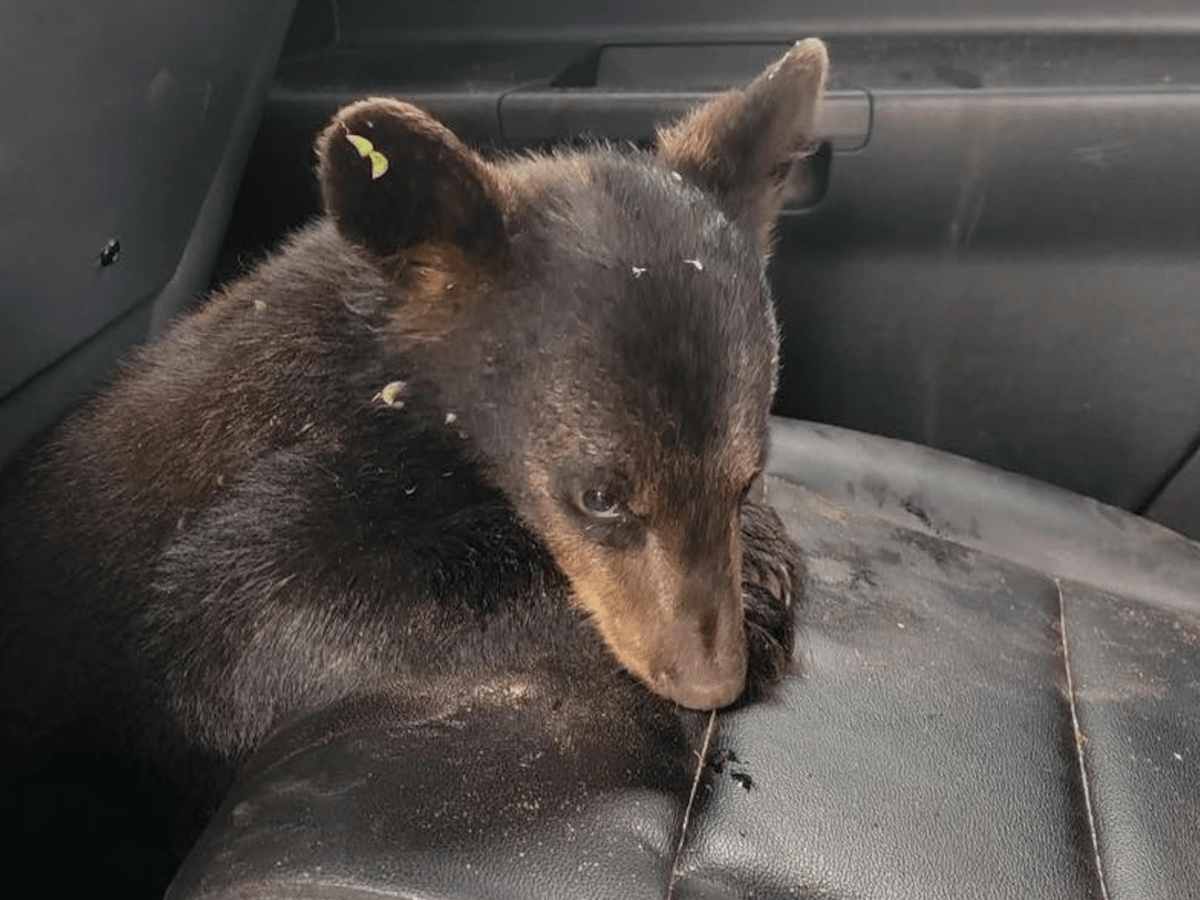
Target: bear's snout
678	628
703	674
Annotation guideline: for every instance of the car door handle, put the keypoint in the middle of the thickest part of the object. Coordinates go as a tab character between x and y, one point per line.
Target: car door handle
623	92
537	115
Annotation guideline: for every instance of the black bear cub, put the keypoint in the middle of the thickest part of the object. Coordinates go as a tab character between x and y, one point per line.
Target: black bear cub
479	413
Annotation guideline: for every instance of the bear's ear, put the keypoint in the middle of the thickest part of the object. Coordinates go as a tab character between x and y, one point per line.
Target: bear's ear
743	145
393	177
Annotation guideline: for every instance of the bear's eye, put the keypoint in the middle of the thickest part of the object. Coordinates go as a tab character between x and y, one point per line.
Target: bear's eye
600	503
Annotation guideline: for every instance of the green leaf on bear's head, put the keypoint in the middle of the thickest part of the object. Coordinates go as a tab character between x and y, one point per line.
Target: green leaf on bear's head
379	162
361	144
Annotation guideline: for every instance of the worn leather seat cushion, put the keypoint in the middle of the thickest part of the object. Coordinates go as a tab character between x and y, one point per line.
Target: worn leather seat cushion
998	696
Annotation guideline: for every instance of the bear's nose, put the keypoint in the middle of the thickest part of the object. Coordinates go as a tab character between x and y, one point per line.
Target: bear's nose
705	680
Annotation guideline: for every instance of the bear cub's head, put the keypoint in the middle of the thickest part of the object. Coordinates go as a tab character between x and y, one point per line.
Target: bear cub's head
597	326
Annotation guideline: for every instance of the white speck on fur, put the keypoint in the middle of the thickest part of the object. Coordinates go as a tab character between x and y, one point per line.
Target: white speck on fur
391	394
451	418
307	426
638	271
677	176
410	490
260	305
695	263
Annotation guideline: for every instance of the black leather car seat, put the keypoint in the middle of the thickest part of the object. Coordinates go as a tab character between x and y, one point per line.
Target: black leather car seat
997	697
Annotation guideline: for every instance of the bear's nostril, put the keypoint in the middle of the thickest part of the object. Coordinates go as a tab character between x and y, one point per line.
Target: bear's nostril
696	689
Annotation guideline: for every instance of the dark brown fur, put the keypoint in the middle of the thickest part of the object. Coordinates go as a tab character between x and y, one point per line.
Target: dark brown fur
374	456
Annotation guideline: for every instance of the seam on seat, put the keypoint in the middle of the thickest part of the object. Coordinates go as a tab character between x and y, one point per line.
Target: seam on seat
701	762
1080	739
